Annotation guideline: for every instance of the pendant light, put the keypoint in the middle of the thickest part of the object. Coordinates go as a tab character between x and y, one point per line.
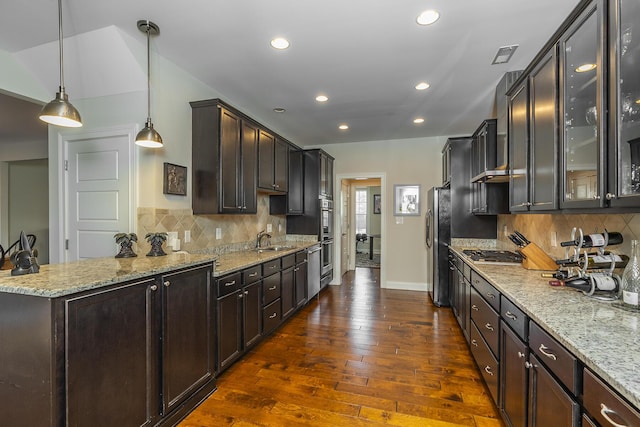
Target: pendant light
148	137
60	111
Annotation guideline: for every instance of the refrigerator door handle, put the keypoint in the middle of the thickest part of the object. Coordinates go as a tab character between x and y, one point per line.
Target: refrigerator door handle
428	231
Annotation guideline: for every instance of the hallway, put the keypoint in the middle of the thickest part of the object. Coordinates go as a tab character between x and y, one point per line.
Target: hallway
358	356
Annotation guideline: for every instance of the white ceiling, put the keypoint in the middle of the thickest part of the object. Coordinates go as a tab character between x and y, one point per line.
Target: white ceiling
365	55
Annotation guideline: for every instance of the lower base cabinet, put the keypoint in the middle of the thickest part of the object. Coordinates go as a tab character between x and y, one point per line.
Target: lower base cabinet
136	352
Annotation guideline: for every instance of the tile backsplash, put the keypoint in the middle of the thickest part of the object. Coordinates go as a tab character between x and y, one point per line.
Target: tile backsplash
236	230
538	228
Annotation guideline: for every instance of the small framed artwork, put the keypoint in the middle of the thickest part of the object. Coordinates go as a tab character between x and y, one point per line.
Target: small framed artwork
406	199
377	203
174	179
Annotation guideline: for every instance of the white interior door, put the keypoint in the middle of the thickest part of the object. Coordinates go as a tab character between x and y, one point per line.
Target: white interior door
98	193
344	227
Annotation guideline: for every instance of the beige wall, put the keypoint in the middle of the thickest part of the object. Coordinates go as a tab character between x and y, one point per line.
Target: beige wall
414	161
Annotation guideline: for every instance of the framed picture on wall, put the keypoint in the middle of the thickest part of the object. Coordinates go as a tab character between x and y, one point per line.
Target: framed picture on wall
377	201
406	199
174	179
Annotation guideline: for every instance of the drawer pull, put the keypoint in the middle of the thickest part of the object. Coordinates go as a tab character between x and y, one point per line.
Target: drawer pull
474	307
489	326
273	288
254	274
605	411
544	351
240	295
273	316
273	266
521	355
233	282
246	292
510	315
474	342
153	287
487	369
491	296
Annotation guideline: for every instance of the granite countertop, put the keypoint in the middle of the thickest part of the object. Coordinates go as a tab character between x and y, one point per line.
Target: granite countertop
604	337
56	280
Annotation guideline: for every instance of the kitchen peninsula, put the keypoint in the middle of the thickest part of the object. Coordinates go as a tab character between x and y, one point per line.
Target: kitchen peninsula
597	340
106	341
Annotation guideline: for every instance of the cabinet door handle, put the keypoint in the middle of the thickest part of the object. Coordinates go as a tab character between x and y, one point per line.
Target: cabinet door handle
153	287
488	370
240	295
543	349
528	365
474	343
239	207
254	274
167	283
510	315
605	411
474	307
273	288
491	296
610	196
521	355
489	326
273	316
233	282
246	292
296	269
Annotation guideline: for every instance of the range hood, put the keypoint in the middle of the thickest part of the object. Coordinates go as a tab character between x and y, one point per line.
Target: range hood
494	168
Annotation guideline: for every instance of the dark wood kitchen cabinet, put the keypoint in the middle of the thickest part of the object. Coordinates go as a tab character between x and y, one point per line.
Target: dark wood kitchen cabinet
486	198
273	163
326	175
293	202
301	279
514	377
288	286
239	311
224	159
129	345
533	139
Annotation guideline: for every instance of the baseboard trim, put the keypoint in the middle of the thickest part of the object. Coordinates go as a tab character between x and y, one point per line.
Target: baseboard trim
407	286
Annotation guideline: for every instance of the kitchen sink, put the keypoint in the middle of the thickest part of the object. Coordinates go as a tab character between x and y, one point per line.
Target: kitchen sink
274	248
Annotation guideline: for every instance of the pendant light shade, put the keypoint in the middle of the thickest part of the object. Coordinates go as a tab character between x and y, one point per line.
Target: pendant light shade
60	111
148	136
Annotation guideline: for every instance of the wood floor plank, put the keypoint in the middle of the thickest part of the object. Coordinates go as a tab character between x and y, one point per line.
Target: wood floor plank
356	356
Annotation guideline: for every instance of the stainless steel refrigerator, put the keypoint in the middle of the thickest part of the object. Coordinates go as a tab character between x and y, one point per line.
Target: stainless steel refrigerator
437	237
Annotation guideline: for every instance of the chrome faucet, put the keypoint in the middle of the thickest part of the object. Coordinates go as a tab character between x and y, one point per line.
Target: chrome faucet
259	238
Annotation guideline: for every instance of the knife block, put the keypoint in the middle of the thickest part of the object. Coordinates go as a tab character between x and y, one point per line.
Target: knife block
536	259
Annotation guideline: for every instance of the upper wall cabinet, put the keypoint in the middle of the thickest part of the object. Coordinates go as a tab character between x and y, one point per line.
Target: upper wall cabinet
273	163
624	102
581	50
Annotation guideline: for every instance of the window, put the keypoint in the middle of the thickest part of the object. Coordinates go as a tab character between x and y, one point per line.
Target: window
361	211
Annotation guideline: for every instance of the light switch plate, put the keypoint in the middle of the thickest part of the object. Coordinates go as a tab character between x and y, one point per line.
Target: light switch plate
187	236
269	228
218	233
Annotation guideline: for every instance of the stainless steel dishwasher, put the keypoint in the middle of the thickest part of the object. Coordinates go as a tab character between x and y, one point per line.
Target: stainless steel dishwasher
313	271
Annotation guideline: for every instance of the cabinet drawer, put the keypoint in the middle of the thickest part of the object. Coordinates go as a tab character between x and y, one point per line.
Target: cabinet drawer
515	318
487	364
602	402
271	288
271	316
466	271
486	319
563	364
228	284
251	274
486	289
288	261
270	267
301	257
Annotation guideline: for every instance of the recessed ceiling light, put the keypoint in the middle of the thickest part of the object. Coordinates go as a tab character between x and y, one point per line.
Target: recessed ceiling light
504	54
343	127
322	98
280	43
585	67
422	86
279	110
418	120
428	17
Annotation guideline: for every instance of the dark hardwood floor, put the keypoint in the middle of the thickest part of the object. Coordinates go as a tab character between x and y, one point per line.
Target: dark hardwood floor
357	356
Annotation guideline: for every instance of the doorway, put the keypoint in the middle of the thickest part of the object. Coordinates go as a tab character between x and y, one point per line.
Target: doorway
362	223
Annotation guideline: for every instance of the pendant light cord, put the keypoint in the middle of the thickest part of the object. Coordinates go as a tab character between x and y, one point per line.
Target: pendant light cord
60	43
148	74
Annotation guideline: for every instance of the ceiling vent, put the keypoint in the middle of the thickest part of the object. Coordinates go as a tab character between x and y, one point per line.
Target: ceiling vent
504	54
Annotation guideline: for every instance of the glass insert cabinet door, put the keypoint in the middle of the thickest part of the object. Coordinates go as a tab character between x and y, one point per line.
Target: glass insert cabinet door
625	102
581	110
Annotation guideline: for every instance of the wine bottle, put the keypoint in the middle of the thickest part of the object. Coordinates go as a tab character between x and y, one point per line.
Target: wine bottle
596	240
581	283
631	279
596	261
